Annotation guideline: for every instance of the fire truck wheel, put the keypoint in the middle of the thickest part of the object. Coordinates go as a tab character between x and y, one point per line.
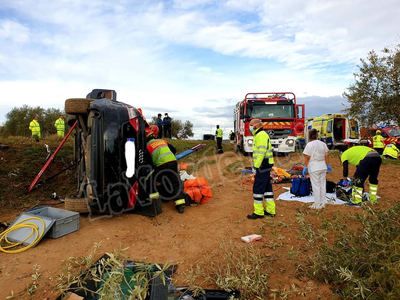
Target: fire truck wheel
297	147
237	149
77	106
241	149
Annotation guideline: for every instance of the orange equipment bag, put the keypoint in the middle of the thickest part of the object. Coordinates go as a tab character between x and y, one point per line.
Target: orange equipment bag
183	166
198	189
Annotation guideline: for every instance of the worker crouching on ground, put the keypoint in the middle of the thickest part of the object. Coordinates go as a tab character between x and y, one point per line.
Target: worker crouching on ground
368	163
378	142
391	151
166	176
263	161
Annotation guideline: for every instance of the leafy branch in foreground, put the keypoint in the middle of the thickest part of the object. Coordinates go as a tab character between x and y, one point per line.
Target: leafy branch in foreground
364	264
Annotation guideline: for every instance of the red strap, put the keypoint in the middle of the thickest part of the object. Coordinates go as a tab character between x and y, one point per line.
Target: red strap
133	192
51	158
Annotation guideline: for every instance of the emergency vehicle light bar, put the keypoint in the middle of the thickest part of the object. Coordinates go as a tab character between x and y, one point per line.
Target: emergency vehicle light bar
271	95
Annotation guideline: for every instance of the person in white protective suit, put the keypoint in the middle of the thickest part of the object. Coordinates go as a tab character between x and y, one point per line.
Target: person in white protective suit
315	158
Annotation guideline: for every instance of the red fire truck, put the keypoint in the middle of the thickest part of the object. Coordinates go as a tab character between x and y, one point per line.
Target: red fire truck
283	119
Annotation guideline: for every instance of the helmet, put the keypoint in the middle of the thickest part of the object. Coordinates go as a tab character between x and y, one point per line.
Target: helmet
153	129
378	132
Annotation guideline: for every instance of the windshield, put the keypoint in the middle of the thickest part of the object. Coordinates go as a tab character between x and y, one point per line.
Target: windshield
394	132
264	111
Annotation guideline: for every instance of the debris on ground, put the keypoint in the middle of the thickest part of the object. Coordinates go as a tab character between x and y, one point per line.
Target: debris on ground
31	226
251	238
113	277
4	147
280	175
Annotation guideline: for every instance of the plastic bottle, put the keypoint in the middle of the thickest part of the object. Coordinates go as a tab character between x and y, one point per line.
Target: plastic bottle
130	152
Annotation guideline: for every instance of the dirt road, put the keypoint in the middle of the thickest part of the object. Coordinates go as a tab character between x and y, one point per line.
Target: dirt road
194	237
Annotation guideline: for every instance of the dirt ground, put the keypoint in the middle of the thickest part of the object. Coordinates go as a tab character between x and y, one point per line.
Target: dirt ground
193	238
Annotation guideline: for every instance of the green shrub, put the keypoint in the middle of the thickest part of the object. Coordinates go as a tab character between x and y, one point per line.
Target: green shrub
364	263
18	119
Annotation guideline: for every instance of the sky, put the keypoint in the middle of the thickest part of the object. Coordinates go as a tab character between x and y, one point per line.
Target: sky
194	59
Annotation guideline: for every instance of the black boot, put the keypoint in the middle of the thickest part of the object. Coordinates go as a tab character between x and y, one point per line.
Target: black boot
267	214
254	216
180	208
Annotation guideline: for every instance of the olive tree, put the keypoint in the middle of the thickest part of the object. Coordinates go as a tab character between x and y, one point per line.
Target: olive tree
375	94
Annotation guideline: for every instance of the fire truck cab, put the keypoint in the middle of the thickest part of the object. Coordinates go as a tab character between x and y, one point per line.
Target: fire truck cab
283	119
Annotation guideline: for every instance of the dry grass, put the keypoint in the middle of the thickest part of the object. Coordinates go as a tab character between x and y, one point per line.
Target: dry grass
51	140
35	276
241	268
363	264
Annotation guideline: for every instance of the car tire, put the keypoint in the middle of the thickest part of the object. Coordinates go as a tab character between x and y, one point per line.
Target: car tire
76	106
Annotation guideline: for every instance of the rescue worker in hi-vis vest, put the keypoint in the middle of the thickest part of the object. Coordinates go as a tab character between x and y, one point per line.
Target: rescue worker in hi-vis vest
219	135
368	163
378	142
167	181
60	126
34	127
263	161
391	151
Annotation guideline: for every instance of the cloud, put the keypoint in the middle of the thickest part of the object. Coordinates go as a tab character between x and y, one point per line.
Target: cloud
300	34
214	112
316	105
154	111
184	4
192	58
4	109
14	31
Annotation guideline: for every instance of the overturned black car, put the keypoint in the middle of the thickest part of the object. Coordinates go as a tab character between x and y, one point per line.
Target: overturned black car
103	126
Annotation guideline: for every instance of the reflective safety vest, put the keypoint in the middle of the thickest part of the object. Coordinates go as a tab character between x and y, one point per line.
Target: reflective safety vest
60	125
355	154
219	133
378	141
34	126
262	148
392	151
160	152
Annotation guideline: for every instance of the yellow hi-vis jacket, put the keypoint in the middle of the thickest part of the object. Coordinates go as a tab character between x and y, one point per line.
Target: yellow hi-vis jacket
262	148
378	141
34	126
392	151
60	125
355	154
219	133
160	152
